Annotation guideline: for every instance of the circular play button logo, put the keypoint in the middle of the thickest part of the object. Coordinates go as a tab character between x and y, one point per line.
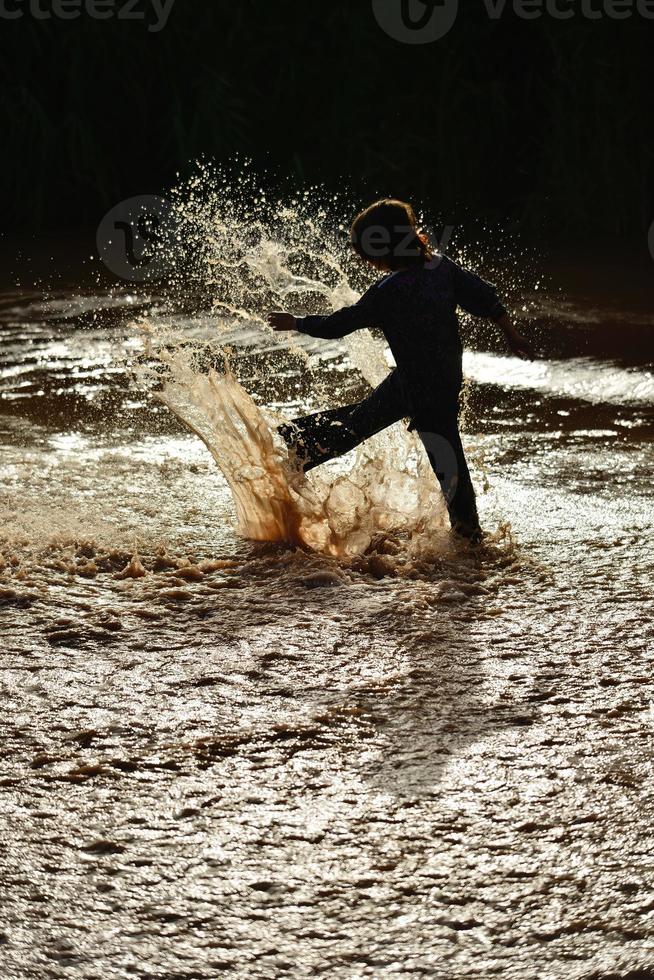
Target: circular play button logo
135	239
416	21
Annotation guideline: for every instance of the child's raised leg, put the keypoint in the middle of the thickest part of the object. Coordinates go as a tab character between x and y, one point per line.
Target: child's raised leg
325	435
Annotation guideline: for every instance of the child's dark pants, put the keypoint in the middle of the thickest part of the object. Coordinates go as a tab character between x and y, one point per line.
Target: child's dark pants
321	437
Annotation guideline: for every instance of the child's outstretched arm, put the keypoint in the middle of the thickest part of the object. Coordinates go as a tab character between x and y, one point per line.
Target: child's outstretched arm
480	298
339	324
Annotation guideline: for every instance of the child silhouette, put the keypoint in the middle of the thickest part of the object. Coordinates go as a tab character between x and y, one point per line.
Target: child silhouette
415	305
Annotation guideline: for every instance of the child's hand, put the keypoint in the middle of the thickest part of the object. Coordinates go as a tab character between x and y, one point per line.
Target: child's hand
282	321
520	346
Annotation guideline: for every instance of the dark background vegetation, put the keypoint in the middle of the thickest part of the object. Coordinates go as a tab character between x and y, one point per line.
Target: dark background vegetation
546	125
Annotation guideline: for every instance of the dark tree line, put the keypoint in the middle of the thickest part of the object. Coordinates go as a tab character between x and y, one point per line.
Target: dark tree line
545	124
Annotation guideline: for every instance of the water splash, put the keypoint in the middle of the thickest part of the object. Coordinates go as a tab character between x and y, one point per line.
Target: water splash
252	255
385	490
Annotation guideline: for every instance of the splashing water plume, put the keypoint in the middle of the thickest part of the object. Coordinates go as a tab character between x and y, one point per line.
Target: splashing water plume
253	257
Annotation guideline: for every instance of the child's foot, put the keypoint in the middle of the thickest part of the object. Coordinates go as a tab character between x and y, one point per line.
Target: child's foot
297	455
290	434
471	532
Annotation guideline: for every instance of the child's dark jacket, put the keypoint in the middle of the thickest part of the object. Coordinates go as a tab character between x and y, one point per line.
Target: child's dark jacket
417	311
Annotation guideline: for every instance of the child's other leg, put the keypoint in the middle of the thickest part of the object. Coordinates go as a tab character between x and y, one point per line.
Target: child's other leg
325	435
442	441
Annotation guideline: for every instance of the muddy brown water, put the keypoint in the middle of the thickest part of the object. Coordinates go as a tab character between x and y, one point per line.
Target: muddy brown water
224	757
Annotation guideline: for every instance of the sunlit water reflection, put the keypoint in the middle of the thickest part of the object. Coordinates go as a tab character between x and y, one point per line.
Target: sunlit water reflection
227	757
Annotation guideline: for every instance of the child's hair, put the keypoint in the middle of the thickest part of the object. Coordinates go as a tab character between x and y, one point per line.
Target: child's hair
388	232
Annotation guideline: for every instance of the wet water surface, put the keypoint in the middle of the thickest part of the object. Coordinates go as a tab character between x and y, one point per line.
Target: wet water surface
405	757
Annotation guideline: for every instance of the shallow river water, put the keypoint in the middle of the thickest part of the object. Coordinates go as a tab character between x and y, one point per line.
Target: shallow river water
223	757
